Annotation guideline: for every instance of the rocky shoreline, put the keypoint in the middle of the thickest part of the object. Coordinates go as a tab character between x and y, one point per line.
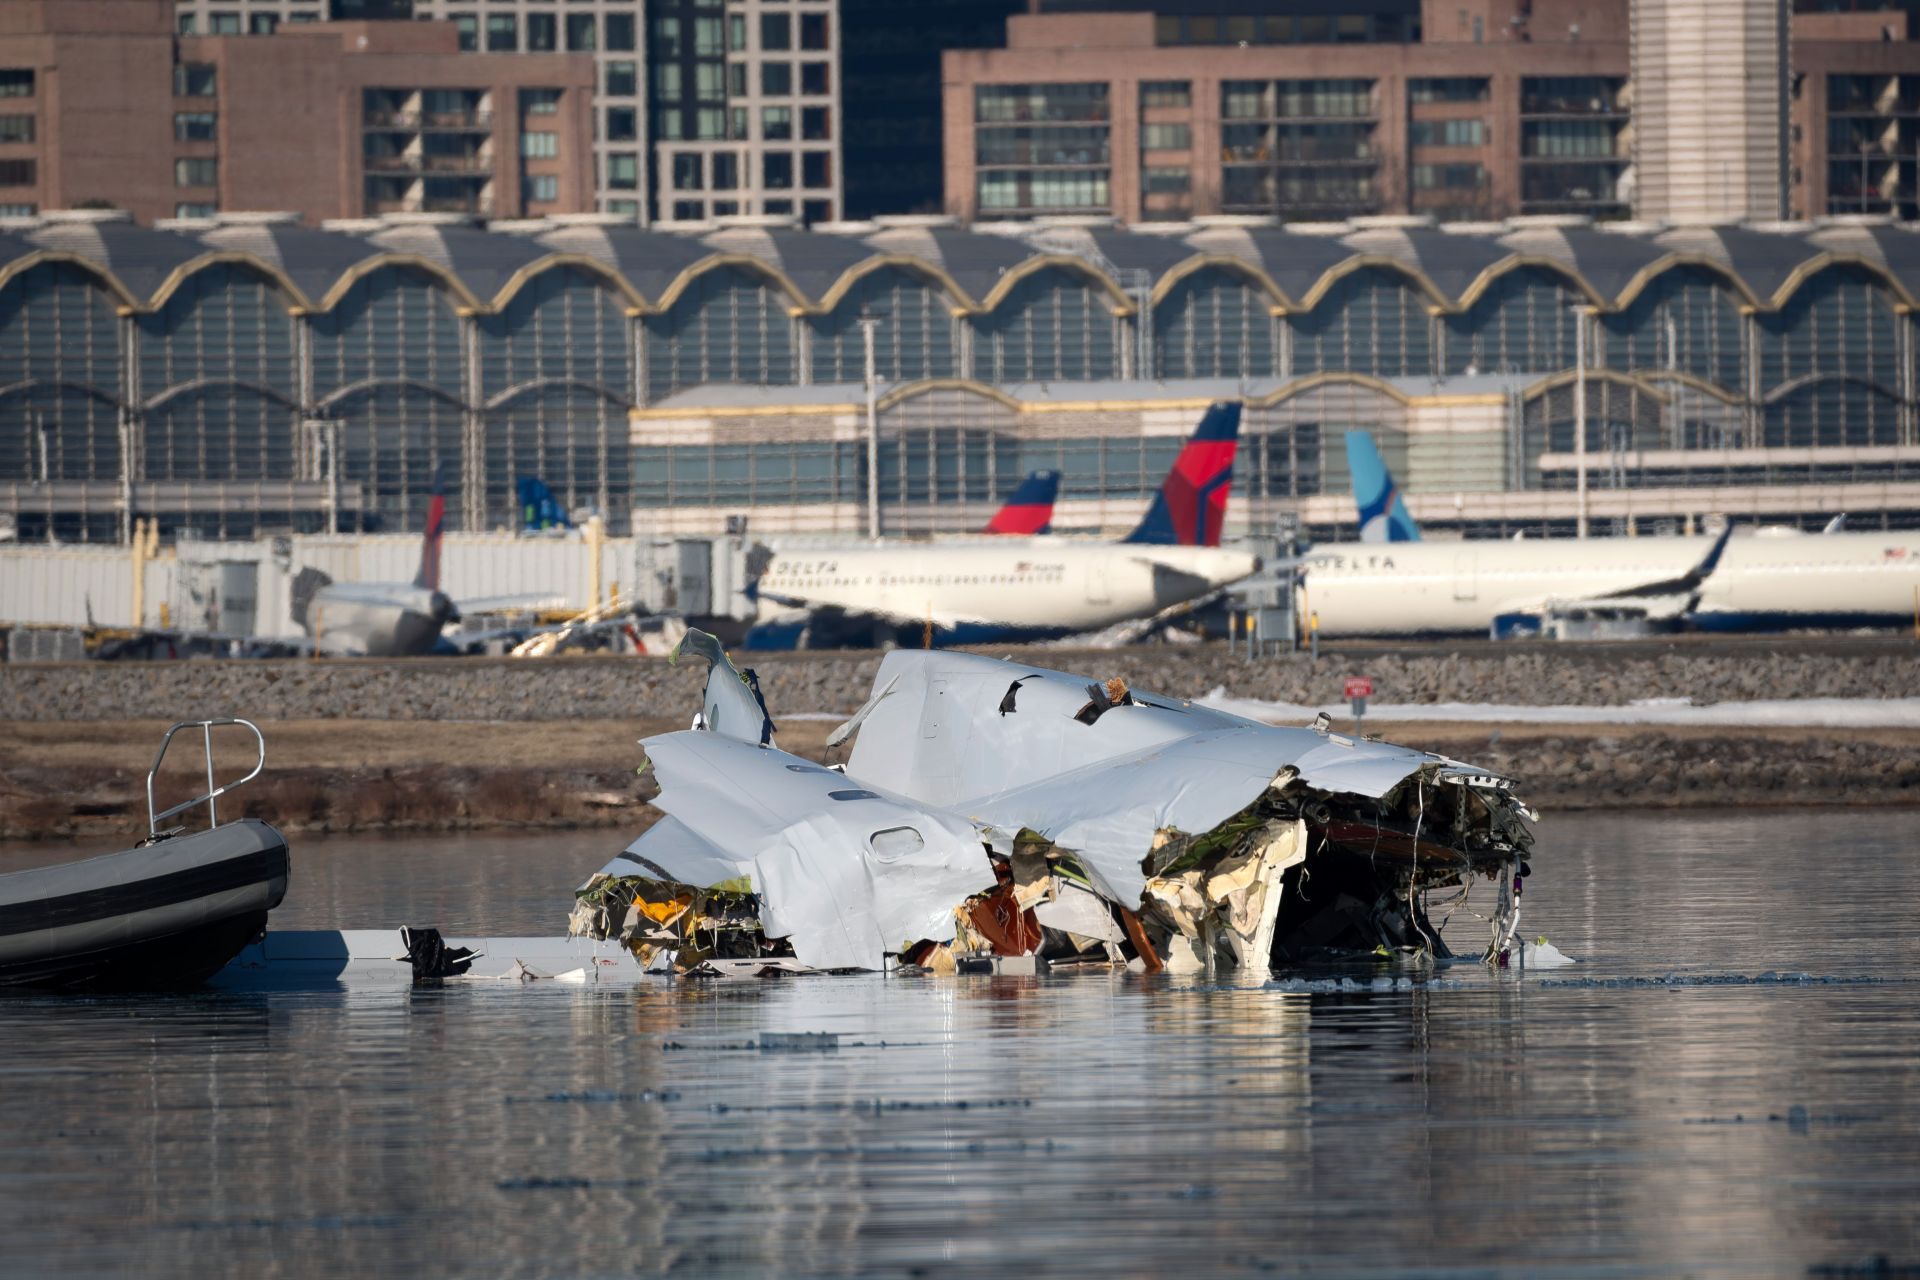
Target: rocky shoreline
599	688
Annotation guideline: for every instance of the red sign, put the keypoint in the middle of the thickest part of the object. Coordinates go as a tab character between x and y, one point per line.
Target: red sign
1359	687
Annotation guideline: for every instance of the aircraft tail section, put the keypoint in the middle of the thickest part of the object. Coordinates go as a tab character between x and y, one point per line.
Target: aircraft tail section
307	584
429	575
1030	509
1383	510
1191	507
539	509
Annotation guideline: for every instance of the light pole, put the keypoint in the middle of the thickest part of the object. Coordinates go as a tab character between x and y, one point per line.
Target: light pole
1580	314
867	325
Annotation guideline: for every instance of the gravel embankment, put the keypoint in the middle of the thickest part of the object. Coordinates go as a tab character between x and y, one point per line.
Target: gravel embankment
598	688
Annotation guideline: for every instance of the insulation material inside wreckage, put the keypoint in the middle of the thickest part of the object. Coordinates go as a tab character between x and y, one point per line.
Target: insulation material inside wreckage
985	812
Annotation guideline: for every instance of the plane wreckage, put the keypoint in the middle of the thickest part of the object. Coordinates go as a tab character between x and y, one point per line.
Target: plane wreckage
989	811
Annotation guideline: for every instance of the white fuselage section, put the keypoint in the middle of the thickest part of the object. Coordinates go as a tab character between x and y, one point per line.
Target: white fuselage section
1413	588
1037	584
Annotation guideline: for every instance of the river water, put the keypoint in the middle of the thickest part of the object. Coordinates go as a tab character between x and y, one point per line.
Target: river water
1092	1124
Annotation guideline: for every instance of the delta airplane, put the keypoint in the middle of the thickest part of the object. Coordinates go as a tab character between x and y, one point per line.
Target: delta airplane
379	619
1017	589
1762	581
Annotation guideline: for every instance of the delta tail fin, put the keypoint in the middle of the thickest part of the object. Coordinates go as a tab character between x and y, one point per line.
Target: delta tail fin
1383	510
1030	509
429	575
1191	507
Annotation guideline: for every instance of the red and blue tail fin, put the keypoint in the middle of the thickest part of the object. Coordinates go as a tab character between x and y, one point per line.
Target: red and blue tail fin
429	575
1030	509
1191	506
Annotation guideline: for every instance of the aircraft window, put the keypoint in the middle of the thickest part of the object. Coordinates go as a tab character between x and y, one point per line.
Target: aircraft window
851	795
895	843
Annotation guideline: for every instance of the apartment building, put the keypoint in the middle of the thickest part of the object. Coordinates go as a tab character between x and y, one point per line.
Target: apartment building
1483	109
333	120
702	108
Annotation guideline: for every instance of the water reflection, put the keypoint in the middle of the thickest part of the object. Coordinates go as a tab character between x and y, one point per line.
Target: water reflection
1090	1124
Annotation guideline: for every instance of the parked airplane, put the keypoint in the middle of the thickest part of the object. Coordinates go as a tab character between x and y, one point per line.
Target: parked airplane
1029	589
1756	582
379	619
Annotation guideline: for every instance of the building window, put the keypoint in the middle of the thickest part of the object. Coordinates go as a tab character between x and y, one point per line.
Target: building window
193	80
777	206
469	28
813	211
666	82
194	209
1448	133
16	128
1042	189
1448	177
725	208
813	31
540	102
687	174
1452	89
622	124
737	79
668	125
185	24
17	210
223	24
776	31
263	24
621	80
1166	137
709	81
631	208
17	173
737	122
726	171
709	38
503	33
816	123
196	171
539	146
620	32
689	211
776	79
541	188
736	33
816	168
1168	181
776	123
776	171
666	38
623	172
193	126
1005	103
815	78
543	34
709	124
16	82
1166	93
580	35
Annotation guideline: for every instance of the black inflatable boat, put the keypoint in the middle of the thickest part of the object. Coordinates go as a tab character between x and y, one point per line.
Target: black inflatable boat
164	915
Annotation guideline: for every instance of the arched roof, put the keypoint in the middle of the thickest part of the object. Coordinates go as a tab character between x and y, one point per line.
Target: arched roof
1764	264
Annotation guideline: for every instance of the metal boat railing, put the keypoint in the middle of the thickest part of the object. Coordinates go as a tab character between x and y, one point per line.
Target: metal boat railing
214	792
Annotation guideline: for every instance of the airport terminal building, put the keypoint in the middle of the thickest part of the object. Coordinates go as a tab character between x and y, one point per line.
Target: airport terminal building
245	374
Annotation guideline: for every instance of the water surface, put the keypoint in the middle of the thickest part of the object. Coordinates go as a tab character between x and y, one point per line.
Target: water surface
1094	1124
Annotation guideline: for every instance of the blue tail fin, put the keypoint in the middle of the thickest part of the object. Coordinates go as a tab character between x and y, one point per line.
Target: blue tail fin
1191	506
1383	511
538	508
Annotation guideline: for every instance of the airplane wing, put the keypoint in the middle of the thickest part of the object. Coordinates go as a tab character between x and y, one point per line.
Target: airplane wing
1662	599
